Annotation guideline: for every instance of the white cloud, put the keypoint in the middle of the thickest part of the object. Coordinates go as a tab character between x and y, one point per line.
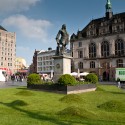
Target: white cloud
16	5
30	28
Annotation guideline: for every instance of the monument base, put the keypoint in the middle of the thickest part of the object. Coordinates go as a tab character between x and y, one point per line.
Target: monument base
62	65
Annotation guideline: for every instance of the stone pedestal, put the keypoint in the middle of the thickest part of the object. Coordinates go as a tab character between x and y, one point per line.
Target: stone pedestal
62	65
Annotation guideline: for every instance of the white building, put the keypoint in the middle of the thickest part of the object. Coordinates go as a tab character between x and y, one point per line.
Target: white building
100	46
45	62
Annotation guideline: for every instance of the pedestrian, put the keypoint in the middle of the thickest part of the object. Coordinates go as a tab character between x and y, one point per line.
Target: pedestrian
13	78
6	78
100	78
118	81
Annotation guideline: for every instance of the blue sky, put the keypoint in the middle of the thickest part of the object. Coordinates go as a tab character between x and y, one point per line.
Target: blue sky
36	22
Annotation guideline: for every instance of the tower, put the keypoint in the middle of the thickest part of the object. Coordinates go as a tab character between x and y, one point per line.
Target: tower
109	12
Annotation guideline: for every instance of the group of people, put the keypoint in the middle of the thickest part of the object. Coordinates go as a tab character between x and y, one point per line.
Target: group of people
17	77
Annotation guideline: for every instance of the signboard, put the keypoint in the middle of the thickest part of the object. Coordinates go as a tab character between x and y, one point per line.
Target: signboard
120	73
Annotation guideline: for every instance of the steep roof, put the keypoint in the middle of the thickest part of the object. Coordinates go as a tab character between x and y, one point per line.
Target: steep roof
97	23
2	28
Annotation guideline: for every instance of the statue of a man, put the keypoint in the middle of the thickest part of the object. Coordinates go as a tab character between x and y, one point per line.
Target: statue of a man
62	39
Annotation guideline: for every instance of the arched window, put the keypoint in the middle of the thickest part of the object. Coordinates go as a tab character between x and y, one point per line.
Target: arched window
119	63
92	64
105	49
92	50
80	65
119	47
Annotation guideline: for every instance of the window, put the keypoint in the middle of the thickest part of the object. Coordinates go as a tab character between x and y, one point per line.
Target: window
92	50
80	54
119	63
118	28
92	64
50	62
1	63
80	65
119	47
91	33
105	49
80	44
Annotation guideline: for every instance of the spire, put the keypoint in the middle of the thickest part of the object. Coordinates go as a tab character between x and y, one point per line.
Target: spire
108	7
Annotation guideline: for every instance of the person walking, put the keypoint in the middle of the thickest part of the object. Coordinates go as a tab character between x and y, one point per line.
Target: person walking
13	78
118	81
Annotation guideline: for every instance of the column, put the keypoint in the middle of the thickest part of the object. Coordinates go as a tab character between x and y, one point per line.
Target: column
99	50
112	47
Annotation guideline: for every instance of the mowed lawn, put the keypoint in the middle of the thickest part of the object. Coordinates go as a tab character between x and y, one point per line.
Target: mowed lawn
105	106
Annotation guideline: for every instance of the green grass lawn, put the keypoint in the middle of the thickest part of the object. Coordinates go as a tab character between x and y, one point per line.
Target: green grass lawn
105	106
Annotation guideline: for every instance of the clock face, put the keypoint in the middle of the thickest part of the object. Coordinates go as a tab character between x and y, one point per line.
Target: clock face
58	66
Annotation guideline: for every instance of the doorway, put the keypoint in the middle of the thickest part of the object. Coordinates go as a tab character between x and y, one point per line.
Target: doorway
105	76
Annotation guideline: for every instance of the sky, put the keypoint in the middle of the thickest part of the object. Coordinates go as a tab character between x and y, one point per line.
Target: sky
37	22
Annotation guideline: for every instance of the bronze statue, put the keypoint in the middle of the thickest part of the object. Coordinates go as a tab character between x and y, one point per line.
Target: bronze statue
62	41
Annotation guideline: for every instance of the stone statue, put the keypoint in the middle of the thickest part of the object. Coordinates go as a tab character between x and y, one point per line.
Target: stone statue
62	40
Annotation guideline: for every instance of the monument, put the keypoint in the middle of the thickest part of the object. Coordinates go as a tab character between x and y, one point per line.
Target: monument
62	60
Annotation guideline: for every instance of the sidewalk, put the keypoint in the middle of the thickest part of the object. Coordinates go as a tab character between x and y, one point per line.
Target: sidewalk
10	83
112	83
108	83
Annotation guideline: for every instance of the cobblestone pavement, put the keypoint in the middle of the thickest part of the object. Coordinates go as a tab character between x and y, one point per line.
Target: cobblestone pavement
10	84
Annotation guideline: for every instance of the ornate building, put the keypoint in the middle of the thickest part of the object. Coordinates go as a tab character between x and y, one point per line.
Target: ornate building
100	46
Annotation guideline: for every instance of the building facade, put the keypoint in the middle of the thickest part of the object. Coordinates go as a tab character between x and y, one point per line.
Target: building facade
45	61
20	64
7	50
100	46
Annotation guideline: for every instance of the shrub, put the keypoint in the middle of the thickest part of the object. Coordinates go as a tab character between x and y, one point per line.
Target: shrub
67	79
34	79
91	78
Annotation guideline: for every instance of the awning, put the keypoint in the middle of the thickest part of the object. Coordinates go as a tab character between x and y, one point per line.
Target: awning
23	71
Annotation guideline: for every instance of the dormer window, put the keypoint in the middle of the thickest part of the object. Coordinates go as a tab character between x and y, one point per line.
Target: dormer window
91	26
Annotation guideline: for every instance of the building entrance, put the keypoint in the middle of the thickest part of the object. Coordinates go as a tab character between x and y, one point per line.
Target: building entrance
105	76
